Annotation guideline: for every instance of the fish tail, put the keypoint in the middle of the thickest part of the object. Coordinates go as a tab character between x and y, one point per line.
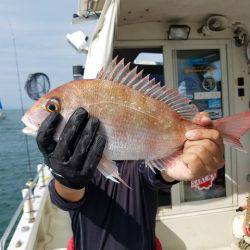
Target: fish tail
233	127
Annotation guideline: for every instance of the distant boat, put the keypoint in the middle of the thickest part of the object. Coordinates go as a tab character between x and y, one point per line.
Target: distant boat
2	113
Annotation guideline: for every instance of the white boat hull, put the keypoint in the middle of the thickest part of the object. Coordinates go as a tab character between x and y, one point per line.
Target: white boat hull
51	227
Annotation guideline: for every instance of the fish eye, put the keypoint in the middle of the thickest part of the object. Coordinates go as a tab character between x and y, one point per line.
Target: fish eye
53	105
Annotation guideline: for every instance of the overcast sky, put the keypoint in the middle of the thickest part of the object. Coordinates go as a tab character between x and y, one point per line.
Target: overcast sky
40	27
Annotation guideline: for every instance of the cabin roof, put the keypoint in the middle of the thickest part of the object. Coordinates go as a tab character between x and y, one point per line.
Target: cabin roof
185	11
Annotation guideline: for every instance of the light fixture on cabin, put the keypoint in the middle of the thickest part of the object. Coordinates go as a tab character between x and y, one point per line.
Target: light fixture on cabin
217	23
78	40
178	32
214	23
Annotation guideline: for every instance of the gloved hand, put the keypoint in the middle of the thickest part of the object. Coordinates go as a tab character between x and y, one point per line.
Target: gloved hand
75	157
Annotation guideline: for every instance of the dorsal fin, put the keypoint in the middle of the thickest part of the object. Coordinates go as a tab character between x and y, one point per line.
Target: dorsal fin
104	74
119	73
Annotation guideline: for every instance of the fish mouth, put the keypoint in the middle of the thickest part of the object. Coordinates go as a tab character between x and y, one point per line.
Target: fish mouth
30	128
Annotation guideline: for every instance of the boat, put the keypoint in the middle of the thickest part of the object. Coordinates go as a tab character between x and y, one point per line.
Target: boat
199	48
2	113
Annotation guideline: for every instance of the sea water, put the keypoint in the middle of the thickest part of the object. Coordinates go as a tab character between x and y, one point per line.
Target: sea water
14	164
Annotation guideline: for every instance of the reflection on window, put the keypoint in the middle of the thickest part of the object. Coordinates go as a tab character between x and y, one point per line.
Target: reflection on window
147	58
199	79
150	60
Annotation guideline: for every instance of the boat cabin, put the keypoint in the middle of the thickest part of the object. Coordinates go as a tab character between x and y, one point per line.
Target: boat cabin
200	48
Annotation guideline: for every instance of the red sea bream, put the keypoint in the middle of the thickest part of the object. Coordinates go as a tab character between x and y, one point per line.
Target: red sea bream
141	119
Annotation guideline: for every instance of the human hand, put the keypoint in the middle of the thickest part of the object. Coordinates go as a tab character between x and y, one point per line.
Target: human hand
204	150
75	157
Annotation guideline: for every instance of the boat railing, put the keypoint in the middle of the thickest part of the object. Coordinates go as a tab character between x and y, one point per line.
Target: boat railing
26	205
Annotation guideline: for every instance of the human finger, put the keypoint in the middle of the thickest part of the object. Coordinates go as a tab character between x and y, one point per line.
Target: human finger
204	156
64	146
204	133
195	166
210	146
44	139
203	119
86	140
94	156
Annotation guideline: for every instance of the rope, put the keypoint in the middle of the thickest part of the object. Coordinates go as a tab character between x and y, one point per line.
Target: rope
20	95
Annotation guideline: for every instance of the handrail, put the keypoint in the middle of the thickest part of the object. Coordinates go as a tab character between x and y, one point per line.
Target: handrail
14	218
248	210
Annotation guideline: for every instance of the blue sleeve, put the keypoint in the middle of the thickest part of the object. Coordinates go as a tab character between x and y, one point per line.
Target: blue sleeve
155	180
60	202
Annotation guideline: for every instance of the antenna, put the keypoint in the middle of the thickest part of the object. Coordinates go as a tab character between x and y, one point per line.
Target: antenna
20	91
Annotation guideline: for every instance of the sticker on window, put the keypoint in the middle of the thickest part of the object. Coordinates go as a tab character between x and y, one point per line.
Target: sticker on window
204	183
207	95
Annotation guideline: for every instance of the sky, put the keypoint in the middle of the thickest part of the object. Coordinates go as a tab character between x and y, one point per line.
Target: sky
39	28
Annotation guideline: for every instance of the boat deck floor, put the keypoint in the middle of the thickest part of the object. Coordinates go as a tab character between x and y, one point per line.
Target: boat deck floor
58	230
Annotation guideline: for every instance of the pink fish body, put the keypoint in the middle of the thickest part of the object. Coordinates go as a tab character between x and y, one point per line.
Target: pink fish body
141	119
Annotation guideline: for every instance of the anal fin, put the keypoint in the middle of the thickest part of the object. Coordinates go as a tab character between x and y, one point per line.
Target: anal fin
109	169
148	164
167	162
173	165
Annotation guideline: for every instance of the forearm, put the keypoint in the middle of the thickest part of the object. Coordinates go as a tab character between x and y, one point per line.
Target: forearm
72	195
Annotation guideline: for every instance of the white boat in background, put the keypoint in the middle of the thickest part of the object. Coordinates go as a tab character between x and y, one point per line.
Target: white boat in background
203	56
2	113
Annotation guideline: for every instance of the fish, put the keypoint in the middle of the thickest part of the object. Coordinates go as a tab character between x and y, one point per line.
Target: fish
141	119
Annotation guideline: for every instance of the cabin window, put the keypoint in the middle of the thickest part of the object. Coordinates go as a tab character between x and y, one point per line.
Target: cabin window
199	79
147	58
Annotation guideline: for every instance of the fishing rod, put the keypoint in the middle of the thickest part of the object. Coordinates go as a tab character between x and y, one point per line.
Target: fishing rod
20	91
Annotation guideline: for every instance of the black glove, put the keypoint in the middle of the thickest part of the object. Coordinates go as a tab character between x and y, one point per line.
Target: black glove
75	157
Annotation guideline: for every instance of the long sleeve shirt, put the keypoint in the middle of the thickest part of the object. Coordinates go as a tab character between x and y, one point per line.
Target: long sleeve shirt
113	217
